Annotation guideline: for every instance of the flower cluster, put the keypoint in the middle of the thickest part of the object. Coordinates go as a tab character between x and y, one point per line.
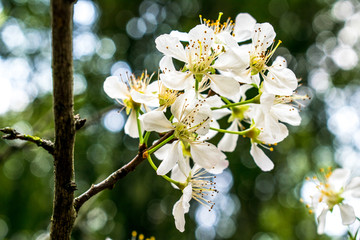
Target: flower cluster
221	63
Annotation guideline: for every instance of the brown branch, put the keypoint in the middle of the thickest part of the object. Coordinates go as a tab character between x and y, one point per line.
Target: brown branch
112	179
64	214
12	134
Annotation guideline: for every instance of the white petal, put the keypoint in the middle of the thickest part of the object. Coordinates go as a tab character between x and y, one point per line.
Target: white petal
182	36
321	221
175	154
263	35
177	80
220	113
114	88
147	99
233	61
279	63
229	141
263	161
214	101
162	152
187	195
225	86
244	26
347	214
178	175
219	167
203	34
287	113
211	133
226	40
177	108
280	81
170	46
273	132
166	64
178	212
338	178
354	187
206	154
131	128
156	121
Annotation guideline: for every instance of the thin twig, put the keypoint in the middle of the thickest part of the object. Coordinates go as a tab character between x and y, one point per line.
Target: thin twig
12	134
111	180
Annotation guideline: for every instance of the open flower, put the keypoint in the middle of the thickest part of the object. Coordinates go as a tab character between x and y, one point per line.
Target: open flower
199	57
191	121
131	94
333	189
247	62
197	184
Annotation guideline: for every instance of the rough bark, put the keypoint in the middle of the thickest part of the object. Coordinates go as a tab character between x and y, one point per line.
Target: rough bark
62	65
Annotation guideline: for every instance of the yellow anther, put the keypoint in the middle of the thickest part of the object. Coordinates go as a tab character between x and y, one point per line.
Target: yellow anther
301	200
141	237
220	14
271	149
310	211
314	177
134	233
307	206
307	178
322	170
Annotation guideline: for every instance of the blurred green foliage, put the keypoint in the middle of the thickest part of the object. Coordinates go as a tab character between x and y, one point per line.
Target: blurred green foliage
269	205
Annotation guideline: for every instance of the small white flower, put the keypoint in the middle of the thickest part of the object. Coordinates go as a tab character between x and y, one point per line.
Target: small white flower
199	57
246	62
191	121
197	185
334	189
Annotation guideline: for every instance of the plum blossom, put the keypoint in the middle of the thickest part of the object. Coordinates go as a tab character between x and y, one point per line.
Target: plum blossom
333	189
131	94
191	121
199	57
250	62
196	184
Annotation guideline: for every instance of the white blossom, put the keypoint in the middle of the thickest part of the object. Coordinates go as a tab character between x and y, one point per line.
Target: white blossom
199	56
197	185
333	189
191	121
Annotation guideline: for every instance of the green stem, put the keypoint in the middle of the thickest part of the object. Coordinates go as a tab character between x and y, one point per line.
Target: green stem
151	150
226	100
164	176
141	140
232	132
253	100
198	78
146	137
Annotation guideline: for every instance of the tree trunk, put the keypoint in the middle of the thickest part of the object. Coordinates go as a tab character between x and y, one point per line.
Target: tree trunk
62	64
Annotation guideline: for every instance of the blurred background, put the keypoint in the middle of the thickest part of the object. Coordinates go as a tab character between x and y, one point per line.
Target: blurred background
321	42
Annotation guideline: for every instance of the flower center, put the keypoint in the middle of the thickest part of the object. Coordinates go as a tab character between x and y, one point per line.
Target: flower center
238	112
259	57
183	133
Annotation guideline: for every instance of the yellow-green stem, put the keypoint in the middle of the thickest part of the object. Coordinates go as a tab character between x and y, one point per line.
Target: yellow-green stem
141	140
232	132
164	176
